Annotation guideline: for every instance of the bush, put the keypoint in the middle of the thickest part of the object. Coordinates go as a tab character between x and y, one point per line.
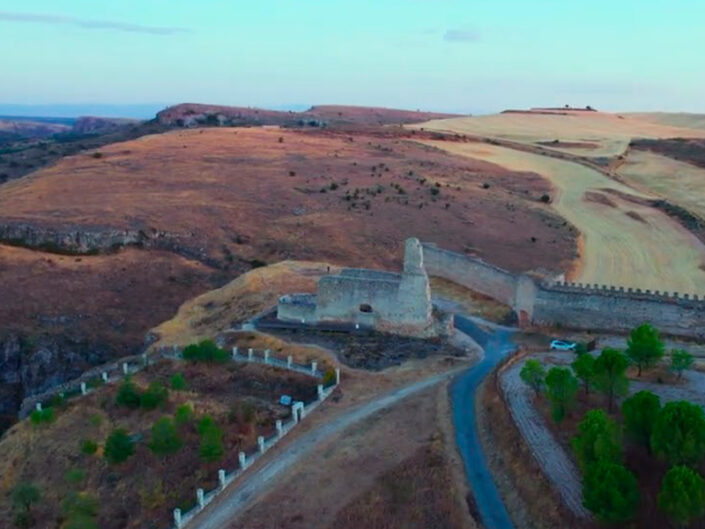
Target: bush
75	476
205	351
205	423
156	395
679	433
45	416
211	448
80	510
610	492
89	447
178	382
164	438
118	447
128	395
682	496
24	495
183	415
328	378
597	440
640	412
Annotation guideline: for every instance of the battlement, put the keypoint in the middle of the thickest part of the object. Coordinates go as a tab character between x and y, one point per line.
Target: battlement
625	292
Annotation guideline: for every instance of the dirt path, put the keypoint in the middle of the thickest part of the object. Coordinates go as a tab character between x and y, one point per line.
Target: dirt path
230	504
623	243
554	461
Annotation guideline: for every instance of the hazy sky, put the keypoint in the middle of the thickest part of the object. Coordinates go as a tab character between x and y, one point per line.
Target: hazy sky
450	55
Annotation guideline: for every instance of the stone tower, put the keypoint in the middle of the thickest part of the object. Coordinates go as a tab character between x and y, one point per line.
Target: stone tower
414	291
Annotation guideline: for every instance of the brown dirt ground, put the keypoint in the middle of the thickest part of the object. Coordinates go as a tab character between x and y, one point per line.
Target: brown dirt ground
43	455
406	463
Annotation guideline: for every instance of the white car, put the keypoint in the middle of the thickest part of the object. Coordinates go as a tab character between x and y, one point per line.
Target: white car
560	345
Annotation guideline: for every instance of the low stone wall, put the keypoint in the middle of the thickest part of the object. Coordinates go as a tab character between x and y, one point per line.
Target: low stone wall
475	274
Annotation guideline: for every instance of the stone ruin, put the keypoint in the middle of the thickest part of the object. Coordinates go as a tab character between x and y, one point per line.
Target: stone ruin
385	301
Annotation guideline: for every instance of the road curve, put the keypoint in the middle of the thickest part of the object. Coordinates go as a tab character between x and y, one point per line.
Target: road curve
235	499
497	345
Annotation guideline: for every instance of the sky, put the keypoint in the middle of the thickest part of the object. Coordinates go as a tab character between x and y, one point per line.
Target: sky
470	56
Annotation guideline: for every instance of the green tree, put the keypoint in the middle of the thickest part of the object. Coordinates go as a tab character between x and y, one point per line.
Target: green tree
644	347
597	440
610	374
205	351
184	414
561	388
639	412
164	438
156	395
533	374
211	447
205	423
178	382
24	495
75	476
584	368
682	496
679	433
80	510
610	492
88	447
118	447
128	395
680	361
39	417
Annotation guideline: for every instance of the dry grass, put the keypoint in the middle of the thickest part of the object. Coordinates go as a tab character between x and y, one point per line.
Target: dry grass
216	311
653	252
471	302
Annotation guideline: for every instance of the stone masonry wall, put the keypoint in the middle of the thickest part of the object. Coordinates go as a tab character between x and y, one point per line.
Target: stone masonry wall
475	274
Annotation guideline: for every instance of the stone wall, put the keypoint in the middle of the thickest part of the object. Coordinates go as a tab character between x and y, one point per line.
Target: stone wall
475	274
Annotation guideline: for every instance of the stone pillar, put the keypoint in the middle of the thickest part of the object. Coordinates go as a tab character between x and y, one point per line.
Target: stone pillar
125	368
38	406
243	460
145	361
320	391
295	413
200	498
177	518
357	326
260	442
314	365
280	429
221	478
235	350
84	390
266	356
250	352
289	361
337	376
105	377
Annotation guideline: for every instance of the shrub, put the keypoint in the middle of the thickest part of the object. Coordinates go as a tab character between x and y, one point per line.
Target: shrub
95	420
89	447
75	476
183	415
682	496
39	417
545	198
328	378
205	351
164	438
533	374
24	495
561	388
80	510
644	347
178	382
128	395
211	448
156	395
640	412
597	440
205	423
610	492
118	447
97	155
679	433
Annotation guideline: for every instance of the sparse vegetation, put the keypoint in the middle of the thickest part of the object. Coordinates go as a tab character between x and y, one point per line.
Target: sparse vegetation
119	446
205	351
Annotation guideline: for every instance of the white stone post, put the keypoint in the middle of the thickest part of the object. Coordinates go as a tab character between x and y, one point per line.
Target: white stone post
280	429
243	460
295	413
84	390
177	518
357	326
314	365
145	361
303	410
200	498
266	356
221	478
235	350
105	376
125	368
320	391
289	361
337	376
250	352
260	442
38	406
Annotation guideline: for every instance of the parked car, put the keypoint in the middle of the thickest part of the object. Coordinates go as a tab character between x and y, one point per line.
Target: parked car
285	400
562	345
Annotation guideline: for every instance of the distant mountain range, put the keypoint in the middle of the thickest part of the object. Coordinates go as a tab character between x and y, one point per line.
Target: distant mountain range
141	111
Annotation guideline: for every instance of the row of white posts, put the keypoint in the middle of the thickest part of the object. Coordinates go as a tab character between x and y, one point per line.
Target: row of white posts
298	412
